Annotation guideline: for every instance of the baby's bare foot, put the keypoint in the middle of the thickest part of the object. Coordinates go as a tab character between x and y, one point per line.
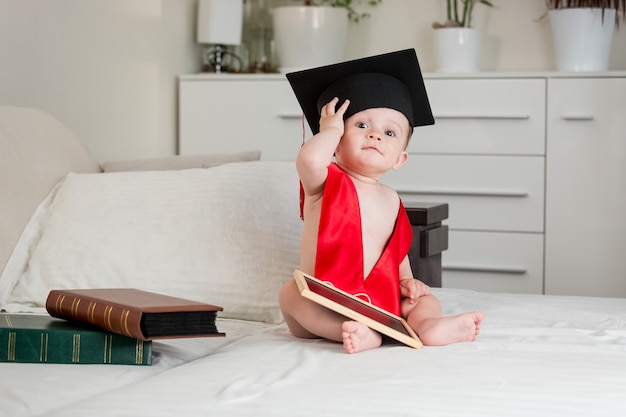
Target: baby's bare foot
445	330
357	337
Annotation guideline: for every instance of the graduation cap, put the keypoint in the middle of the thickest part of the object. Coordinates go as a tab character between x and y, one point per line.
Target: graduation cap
392	80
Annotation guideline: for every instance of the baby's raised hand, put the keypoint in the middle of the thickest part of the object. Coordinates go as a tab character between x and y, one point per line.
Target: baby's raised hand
413	289
330	117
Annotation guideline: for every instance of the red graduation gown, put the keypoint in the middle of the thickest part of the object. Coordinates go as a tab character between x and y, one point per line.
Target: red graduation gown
339	258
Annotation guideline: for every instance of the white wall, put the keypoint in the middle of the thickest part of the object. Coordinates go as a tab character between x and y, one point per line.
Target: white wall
105	68
513	38
108	68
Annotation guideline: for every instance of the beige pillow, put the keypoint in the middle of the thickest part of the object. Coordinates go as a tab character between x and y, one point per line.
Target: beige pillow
228	235
179	162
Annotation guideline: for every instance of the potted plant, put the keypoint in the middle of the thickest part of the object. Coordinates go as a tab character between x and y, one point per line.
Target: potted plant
582	32
462	19
353	14
457	43
618	6
310	33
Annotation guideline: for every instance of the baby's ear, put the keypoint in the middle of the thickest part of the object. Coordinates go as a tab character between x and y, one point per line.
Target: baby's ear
404	155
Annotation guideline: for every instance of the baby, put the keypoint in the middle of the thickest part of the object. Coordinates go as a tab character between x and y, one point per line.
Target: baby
356	232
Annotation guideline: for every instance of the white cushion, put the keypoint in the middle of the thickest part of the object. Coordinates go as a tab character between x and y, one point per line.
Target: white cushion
229	236
179	162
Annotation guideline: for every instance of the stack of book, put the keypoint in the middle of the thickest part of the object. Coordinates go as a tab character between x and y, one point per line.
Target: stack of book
102	326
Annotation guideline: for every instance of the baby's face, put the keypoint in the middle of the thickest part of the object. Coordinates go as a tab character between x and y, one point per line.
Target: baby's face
376	137
390	123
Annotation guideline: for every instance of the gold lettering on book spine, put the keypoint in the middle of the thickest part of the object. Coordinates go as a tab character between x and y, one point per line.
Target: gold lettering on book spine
124	322
11	346
43	347
139	352
75	304
90	312
108	348
59	304
10	340
76	348
107	317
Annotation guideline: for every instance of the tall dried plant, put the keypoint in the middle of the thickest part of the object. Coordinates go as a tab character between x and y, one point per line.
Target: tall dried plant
618	5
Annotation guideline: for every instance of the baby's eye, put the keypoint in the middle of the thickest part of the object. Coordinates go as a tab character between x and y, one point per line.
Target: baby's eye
390	133
361	125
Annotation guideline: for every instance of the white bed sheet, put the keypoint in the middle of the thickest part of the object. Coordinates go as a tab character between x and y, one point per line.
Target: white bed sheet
536	356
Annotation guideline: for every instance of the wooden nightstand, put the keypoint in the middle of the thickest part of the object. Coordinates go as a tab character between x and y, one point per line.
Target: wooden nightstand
430	239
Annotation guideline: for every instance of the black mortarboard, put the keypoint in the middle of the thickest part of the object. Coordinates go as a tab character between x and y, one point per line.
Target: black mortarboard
391	80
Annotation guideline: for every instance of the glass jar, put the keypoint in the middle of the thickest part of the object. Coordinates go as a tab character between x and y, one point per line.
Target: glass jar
258	35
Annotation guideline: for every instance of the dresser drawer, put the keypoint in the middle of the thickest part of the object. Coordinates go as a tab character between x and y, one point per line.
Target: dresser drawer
479	116
236	115
503	193
494	262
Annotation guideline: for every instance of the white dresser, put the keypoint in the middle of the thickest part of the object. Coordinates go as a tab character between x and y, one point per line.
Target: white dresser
513	222
485	157
586	187
233	113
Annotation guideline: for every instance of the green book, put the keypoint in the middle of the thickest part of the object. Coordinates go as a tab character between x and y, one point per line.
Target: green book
33	338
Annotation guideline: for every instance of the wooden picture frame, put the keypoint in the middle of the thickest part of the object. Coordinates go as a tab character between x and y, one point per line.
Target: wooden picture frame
356	309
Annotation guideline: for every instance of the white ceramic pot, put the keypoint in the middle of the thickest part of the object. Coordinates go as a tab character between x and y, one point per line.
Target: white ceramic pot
582	38
309	36
457	49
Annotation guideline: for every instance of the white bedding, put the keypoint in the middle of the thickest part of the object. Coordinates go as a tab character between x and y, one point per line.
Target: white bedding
536	356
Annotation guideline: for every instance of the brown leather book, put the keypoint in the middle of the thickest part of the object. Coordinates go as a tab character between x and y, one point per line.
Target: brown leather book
136	313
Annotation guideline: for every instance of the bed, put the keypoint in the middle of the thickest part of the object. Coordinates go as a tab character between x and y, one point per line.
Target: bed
225	229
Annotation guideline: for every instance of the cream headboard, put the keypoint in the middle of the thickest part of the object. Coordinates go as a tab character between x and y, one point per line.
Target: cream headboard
36	150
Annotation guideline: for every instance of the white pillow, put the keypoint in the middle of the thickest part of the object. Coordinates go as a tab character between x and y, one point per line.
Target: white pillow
179	162
229	236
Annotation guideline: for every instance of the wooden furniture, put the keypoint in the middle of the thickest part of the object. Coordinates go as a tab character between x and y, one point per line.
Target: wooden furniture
430	239
510	217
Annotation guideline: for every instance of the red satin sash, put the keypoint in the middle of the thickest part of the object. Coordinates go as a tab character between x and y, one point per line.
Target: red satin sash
339	258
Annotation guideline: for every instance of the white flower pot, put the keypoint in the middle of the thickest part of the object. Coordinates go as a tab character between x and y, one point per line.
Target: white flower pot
309	36
457	49
582	38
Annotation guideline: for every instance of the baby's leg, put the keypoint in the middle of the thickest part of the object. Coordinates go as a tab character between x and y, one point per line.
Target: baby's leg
357	337
425	317
307	319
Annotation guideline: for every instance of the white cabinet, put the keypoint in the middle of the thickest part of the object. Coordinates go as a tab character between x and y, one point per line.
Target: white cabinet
484	116
522	160
485	157
233	113
586	187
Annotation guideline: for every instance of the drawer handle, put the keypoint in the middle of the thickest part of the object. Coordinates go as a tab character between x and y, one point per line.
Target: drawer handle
577	117
515	270
471	193
484	116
